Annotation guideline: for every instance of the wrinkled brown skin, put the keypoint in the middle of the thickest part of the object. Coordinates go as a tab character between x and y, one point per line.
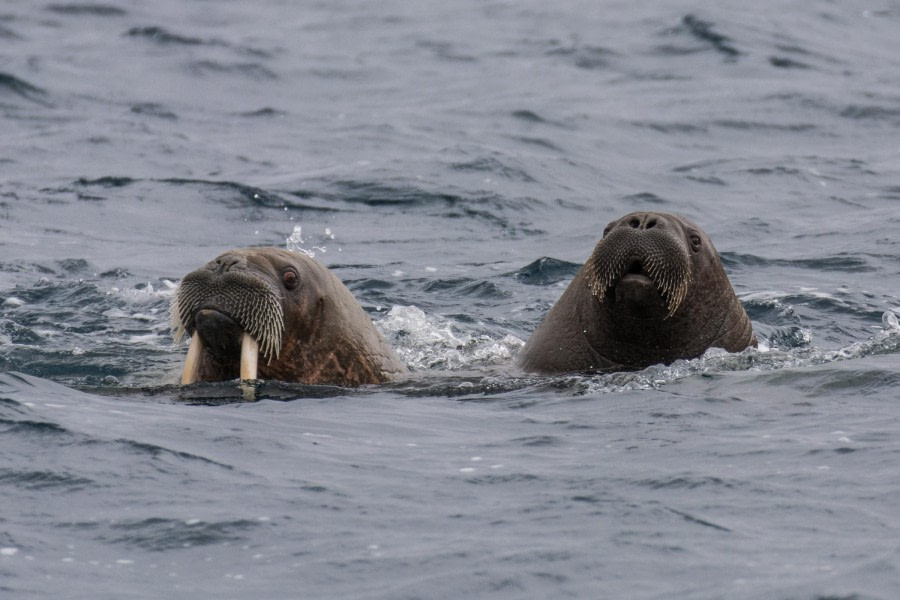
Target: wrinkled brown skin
628	329
328	338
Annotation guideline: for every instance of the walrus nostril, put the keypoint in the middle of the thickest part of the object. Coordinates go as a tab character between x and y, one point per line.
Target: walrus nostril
643	221
226	262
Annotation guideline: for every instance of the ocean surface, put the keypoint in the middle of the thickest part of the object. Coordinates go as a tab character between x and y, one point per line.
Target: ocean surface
453	163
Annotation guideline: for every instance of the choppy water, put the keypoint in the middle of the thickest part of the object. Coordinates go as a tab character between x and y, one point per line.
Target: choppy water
453	163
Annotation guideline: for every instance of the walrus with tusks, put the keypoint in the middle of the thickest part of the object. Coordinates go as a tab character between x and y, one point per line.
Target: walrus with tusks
273	314
653	291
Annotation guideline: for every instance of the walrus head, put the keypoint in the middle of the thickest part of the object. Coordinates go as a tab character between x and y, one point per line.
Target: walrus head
284	308
645	263
652	291
232	307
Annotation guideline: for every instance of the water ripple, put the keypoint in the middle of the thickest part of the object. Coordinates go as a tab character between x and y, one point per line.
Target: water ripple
701	31
45	480
29	427
160	35
249	70
154	109
496	167
87	9
157	534
546	271
10	84
839	262
687	482
155	451
465	288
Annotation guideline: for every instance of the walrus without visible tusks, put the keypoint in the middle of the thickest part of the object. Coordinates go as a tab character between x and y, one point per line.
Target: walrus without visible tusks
273	314
652	291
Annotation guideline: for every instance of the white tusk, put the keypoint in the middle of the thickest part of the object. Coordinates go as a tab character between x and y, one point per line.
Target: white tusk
249	357
192	362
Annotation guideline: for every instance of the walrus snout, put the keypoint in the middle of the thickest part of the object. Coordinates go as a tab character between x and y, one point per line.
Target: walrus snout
244	296
643	221
226	262
221	334
229	350
639	221
642	263
231	312
635	267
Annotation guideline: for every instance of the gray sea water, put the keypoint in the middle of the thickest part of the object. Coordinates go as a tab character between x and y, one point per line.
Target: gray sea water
453	163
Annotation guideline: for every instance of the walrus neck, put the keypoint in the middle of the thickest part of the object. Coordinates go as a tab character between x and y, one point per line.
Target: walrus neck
623	337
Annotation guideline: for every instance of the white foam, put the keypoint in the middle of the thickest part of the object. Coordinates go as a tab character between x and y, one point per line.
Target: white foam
716	360
149	338
429	342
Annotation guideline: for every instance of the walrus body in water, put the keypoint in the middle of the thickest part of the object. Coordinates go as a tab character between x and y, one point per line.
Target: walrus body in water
653	291
272	314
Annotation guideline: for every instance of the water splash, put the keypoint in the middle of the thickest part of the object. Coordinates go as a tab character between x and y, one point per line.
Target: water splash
429	343
296	243
716	360
426	342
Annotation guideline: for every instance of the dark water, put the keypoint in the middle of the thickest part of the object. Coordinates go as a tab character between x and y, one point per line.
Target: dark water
432	154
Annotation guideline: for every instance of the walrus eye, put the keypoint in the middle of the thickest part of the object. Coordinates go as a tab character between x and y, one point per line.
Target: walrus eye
695	242
290	279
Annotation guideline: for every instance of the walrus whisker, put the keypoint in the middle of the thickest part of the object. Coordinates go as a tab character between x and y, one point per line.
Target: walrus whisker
255	306
665	264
